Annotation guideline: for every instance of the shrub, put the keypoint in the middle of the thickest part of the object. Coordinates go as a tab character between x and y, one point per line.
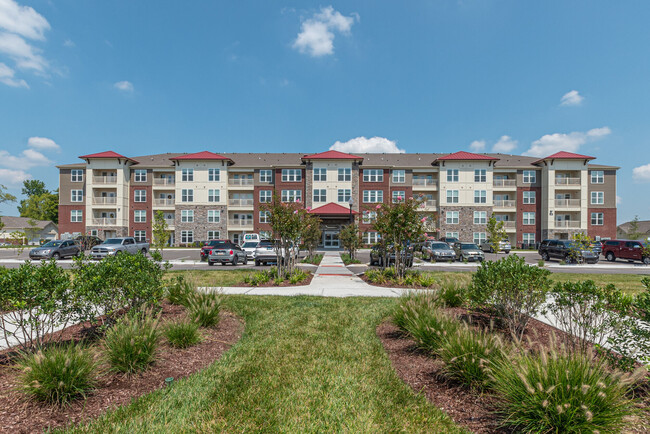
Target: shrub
511	290
204	308
541	263
421	318
470	355
562	392
347	259
428	280
179	291
297	276
182	334
131	345
453	295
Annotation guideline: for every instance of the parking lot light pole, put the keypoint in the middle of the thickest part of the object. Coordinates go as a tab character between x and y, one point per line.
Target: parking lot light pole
351	202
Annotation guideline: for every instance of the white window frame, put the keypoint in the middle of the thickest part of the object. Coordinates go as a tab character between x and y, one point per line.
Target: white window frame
480	175
345	174
343	195
452	217
480	217
140	236
187	216
597	198
76	175
597	218
398	193
399	176
187	195
373	175
479	237
139	216
187	175
214	174
139	196
597	176
214	195
213	235
369	217
452	234
266	176
528	218
187	237
76	216
320	195
452	196
76	195
452	175
291	196
214	216
480	196
140	175
371	237
266	196
373	196
529	197
528	237
265	217
320	174
529	176
291	175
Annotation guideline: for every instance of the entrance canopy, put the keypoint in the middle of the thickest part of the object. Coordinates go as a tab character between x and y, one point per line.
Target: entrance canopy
332	209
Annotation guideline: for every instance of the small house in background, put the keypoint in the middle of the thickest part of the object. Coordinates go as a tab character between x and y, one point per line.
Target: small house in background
642	228
34	230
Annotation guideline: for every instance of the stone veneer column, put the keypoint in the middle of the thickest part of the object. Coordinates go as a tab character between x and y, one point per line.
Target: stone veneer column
309	184
200	225
465	226
355	187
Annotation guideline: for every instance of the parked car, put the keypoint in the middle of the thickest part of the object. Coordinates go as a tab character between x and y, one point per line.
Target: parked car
468	252
249	247
227	253
597	247
450	240
116	246
438	251
88	241
625	249
566	250
57	249
265	252
250	237
377	255
209	245
504	246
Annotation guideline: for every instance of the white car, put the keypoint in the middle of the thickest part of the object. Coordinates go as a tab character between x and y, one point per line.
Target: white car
249	247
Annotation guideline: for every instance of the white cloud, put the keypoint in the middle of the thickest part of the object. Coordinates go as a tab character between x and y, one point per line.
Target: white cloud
43	143
69	43
641	173
361	145
505	145
13	177
477	146
124	86
25	160
572	98
22	20
25	55
7	77
619	200
552	143
316	36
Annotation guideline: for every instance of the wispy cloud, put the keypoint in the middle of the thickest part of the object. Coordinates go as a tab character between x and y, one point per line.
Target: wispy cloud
572	97
7	77
364	145
124	86
13	177
69	43
22	20
477	146
43	144
505	144
641	173
316	37
571	142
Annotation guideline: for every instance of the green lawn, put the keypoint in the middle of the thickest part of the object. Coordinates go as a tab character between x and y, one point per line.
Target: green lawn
304	364
214	277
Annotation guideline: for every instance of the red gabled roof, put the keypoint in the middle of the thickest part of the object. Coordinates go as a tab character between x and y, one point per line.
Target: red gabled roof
205	155
332	155
563	155
462	155
332	209
107	154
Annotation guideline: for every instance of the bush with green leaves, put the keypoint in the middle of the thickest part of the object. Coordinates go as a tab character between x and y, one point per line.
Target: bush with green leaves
182	334
560	391
470	355
511	290
453	294
179	290
204	308
132	344
642	301
58	374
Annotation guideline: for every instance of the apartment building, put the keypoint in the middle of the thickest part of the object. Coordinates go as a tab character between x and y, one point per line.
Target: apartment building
206	195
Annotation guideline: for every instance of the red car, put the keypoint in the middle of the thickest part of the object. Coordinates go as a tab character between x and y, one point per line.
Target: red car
209	246
625	249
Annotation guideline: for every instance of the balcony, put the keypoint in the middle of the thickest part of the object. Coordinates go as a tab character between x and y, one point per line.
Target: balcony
501	183
105	179
567	181
242	223
422	183
104	221
241	182
169	222
164	202
505	203
567	203
240	202
567	224
101	200
427	204
164	182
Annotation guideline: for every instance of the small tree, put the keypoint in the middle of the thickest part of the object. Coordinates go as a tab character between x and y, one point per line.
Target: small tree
580	242
160	230
633	232
350	238
286	220
17	240
31	230
496	233
311	233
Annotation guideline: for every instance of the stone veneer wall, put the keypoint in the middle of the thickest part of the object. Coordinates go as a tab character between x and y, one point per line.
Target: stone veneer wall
309	184
200	225
465	226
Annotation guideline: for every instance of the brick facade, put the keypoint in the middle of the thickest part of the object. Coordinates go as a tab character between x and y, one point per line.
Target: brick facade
522	208
608	228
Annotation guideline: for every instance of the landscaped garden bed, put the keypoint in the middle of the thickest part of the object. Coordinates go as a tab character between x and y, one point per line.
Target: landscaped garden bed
250	278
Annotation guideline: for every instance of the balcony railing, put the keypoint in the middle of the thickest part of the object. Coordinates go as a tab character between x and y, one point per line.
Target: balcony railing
240	202
505	182
429	203
425	182
240	222
164	202
509	224
567	181
567	224
105	179
169	222
567	203
241	181
111	200
505	203
164	181
104	221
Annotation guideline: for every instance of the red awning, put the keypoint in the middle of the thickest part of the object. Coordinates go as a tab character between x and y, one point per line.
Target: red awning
332	209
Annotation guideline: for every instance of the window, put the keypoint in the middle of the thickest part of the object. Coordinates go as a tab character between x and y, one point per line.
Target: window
77	195
597	218
214	216
187	175
597	198
76	216
291	175
373	175
398	196
140	195
369	217
451	234
480	217
266	176
187	195
291	195
214	175
597	177
344	195
373	196
76	175
529	238
187	216
371	237
266	196
479	237
140	216
529	197
530	177
187	237
320	174
214	235
399	176
140	236
345	174
140	175
529	218
452	175
452	196
265	217
320	195
480	196
214	195
480	175
452	217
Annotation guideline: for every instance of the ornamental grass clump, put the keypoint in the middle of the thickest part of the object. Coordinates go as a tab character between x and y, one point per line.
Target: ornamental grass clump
561	391
131	345
58	374
204	308
412	303
182	334
453	294
427	325
179	291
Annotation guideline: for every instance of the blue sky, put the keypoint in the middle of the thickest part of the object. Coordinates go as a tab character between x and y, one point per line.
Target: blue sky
141	77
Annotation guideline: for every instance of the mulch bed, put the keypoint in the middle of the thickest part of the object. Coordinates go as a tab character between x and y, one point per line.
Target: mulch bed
285	283
469	409
18	414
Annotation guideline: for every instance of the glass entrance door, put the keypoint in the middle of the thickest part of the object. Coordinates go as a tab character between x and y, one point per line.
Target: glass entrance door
331	239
